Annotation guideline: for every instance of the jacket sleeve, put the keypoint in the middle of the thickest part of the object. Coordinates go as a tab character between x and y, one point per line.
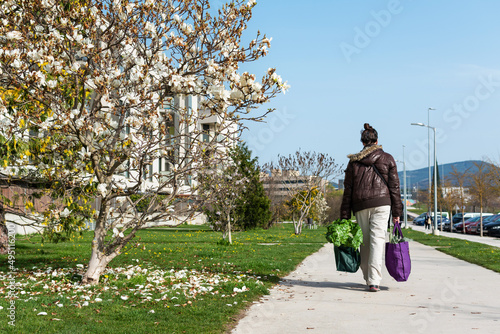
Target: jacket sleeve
346	206
394	189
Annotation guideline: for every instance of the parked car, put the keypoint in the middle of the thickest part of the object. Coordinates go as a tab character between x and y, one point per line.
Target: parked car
494	229
420	220
441	220
457	218
475	227
491	220
458	227
443	214
447	225
472	227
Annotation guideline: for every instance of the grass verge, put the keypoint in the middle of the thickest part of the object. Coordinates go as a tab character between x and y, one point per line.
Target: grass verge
473	252
167	281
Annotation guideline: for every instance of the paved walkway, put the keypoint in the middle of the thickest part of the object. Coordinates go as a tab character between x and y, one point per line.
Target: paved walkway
442	295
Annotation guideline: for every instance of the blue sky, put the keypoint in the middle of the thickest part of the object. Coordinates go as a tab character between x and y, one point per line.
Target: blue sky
385	63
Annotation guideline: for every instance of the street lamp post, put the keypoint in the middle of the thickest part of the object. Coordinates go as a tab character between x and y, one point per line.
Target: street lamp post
435	230
404	190
429	158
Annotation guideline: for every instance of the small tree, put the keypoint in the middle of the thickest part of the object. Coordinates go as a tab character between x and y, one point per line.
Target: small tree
221	191
300	175
481	187
451	197
302	203
253	210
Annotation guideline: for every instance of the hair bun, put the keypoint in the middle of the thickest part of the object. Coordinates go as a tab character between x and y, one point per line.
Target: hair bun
369	135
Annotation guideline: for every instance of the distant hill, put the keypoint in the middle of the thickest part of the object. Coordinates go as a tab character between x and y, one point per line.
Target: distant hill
420	177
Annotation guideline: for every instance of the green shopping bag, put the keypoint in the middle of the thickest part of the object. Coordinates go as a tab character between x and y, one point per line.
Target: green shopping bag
347	258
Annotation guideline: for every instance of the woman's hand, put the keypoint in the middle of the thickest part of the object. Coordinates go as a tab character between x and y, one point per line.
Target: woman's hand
395	220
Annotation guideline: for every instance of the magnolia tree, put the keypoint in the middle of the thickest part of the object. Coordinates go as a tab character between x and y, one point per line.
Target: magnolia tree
96	89
303	176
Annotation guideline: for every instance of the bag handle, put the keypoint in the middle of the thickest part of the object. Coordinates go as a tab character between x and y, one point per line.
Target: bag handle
397	230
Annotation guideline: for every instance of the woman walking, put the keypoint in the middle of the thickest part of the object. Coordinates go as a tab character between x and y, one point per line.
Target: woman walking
371	192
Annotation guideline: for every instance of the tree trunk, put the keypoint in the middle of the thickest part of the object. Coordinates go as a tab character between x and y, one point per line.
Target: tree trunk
98	259
298	226
229	228
300	223
97	264
481	221
295	226
463	222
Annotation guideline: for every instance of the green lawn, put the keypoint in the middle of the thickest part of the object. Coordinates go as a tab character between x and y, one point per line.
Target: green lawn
473	252
168	281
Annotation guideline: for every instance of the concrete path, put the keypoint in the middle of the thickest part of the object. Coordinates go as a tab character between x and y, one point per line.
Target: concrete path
442	295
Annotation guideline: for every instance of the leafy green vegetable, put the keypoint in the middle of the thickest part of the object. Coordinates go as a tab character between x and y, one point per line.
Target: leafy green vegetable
396	236
396	239
344	232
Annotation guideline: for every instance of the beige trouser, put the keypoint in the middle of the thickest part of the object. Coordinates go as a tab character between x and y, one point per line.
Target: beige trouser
373	223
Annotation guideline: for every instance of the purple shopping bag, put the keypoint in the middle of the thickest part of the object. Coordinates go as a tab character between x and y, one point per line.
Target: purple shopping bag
397	256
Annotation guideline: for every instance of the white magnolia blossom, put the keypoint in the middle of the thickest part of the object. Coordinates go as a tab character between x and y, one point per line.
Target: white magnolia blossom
102	188
65	213
116	232
16	35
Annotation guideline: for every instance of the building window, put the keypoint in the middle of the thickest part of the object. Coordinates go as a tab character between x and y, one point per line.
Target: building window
206	133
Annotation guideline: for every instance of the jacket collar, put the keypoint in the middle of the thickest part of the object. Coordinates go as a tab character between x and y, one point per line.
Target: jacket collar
366	151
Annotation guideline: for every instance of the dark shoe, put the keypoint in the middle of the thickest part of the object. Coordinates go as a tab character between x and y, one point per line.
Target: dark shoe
374	288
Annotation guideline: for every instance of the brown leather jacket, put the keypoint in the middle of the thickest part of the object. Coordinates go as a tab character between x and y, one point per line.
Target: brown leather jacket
364	189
